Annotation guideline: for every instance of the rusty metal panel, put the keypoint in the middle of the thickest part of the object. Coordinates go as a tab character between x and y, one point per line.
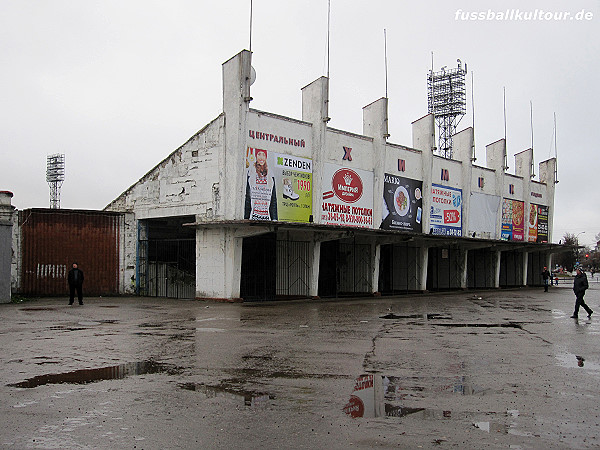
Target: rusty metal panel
51	240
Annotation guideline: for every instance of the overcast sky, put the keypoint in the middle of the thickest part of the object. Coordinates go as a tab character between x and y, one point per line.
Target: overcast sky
118	85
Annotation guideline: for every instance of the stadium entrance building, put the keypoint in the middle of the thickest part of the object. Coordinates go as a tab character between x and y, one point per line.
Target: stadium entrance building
257	206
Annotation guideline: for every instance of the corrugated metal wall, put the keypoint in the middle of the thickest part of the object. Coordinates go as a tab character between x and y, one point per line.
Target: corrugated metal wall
52	239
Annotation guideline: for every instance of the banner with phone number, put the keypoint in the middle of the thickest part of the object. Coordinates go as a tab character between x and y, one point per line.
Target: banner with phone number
446	210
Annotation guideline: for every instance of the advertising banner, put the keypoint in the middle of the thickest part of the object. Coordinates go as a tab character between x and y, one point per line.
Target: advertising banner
347	197
402	204
483	209
278	186
542	226
513	228
446	210
538	223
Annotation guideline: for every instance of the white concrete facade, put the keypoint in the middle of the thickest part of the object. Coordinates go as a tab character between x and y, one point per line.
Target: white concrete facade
207	176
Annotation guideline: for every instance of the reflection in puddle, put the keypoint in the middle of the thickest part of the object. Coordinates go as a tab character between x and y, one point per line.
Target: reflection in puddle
247	398
376	395
575	361
84	376
498	427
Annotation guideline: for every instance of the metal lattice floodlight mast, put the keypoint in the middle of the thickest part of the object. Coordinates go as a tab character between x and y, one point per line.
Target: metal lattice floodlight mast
446	100
55	175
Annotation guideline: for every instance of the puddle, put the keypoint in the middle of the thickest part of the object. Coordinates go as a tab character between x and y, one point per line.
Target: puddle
84	376
88	323
576	362
211	330
377	396
433	316
482	325
247	398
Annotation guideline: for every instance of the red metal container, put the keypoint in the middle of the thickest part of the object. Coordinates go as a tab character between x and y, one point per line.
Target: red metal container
52	239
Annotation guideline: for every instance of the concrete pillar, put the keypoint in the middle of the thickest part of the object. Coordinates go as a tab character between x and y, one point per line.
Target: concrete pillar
423	261
375	125
236	104
547	170
525	268
523	168
218	264
497	274
315	106
423	138
6	225
315	259
315	109
375	261
494	153
463	276
463	152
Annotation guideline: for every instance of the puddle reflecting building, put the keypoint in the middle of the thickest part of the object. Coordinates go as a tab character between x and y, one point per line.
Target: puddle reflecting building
258	206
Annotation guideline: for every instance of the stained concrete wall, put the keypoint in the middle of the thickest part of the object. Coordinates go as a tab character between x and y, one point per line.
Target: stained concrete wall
6	252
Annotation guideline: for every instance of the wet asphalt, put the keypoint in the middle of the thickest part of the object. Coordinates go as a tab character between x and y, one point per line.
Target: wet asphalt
486	369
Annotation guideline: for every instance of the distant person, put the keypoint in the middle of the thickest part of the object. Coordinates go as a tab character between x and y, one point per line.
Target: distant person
580	284
75	279
546	276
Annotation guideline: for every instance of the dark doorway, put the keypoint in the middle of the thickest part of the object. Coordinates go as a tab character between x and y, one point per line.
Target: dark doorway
444	268
481	268
258	279
511	268
167	258
399	269
535	267
345	268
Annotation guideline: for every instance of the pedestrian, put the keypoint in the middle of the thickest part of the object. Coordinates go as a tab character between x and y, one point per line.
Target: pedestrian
546	275
580	284
75	279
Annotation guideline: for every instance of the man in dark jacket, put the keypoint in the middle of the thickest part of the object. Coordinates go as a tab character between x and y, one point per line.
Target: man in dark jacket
75	279
545	276
580	284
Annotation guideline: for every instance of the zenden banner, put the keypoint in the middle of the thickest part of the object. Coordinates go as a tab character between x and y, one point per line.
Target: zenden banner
278	187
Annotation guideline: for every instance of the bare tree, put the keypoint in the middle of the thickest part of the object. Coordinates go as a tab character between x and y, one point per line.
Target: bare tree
568	258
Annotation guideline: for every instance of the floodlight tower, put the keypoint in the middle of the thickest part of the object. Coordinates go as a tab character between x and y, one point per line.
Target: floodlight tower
55	175
446	100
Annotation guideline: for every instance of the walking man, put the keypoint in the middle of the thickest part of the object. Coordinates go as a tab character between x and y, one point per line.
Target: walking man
75	279
546	275
579	286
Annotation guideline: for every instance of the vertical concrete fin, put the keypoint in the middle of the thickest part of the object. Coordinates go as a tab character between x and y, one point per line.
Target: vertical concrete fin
494	155
315	101
463	146
423	133
375	119
523	161
236	100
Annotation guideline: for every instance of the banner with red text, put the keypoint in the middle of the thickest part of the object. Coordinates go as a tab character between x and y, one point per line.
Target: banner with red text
446	210
347	197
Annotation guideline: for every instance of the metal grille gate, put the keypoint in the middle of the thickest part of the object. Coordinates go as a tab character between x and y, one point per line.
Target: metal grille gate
399	269
167	268
481	268
444	268
345	268
293	269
